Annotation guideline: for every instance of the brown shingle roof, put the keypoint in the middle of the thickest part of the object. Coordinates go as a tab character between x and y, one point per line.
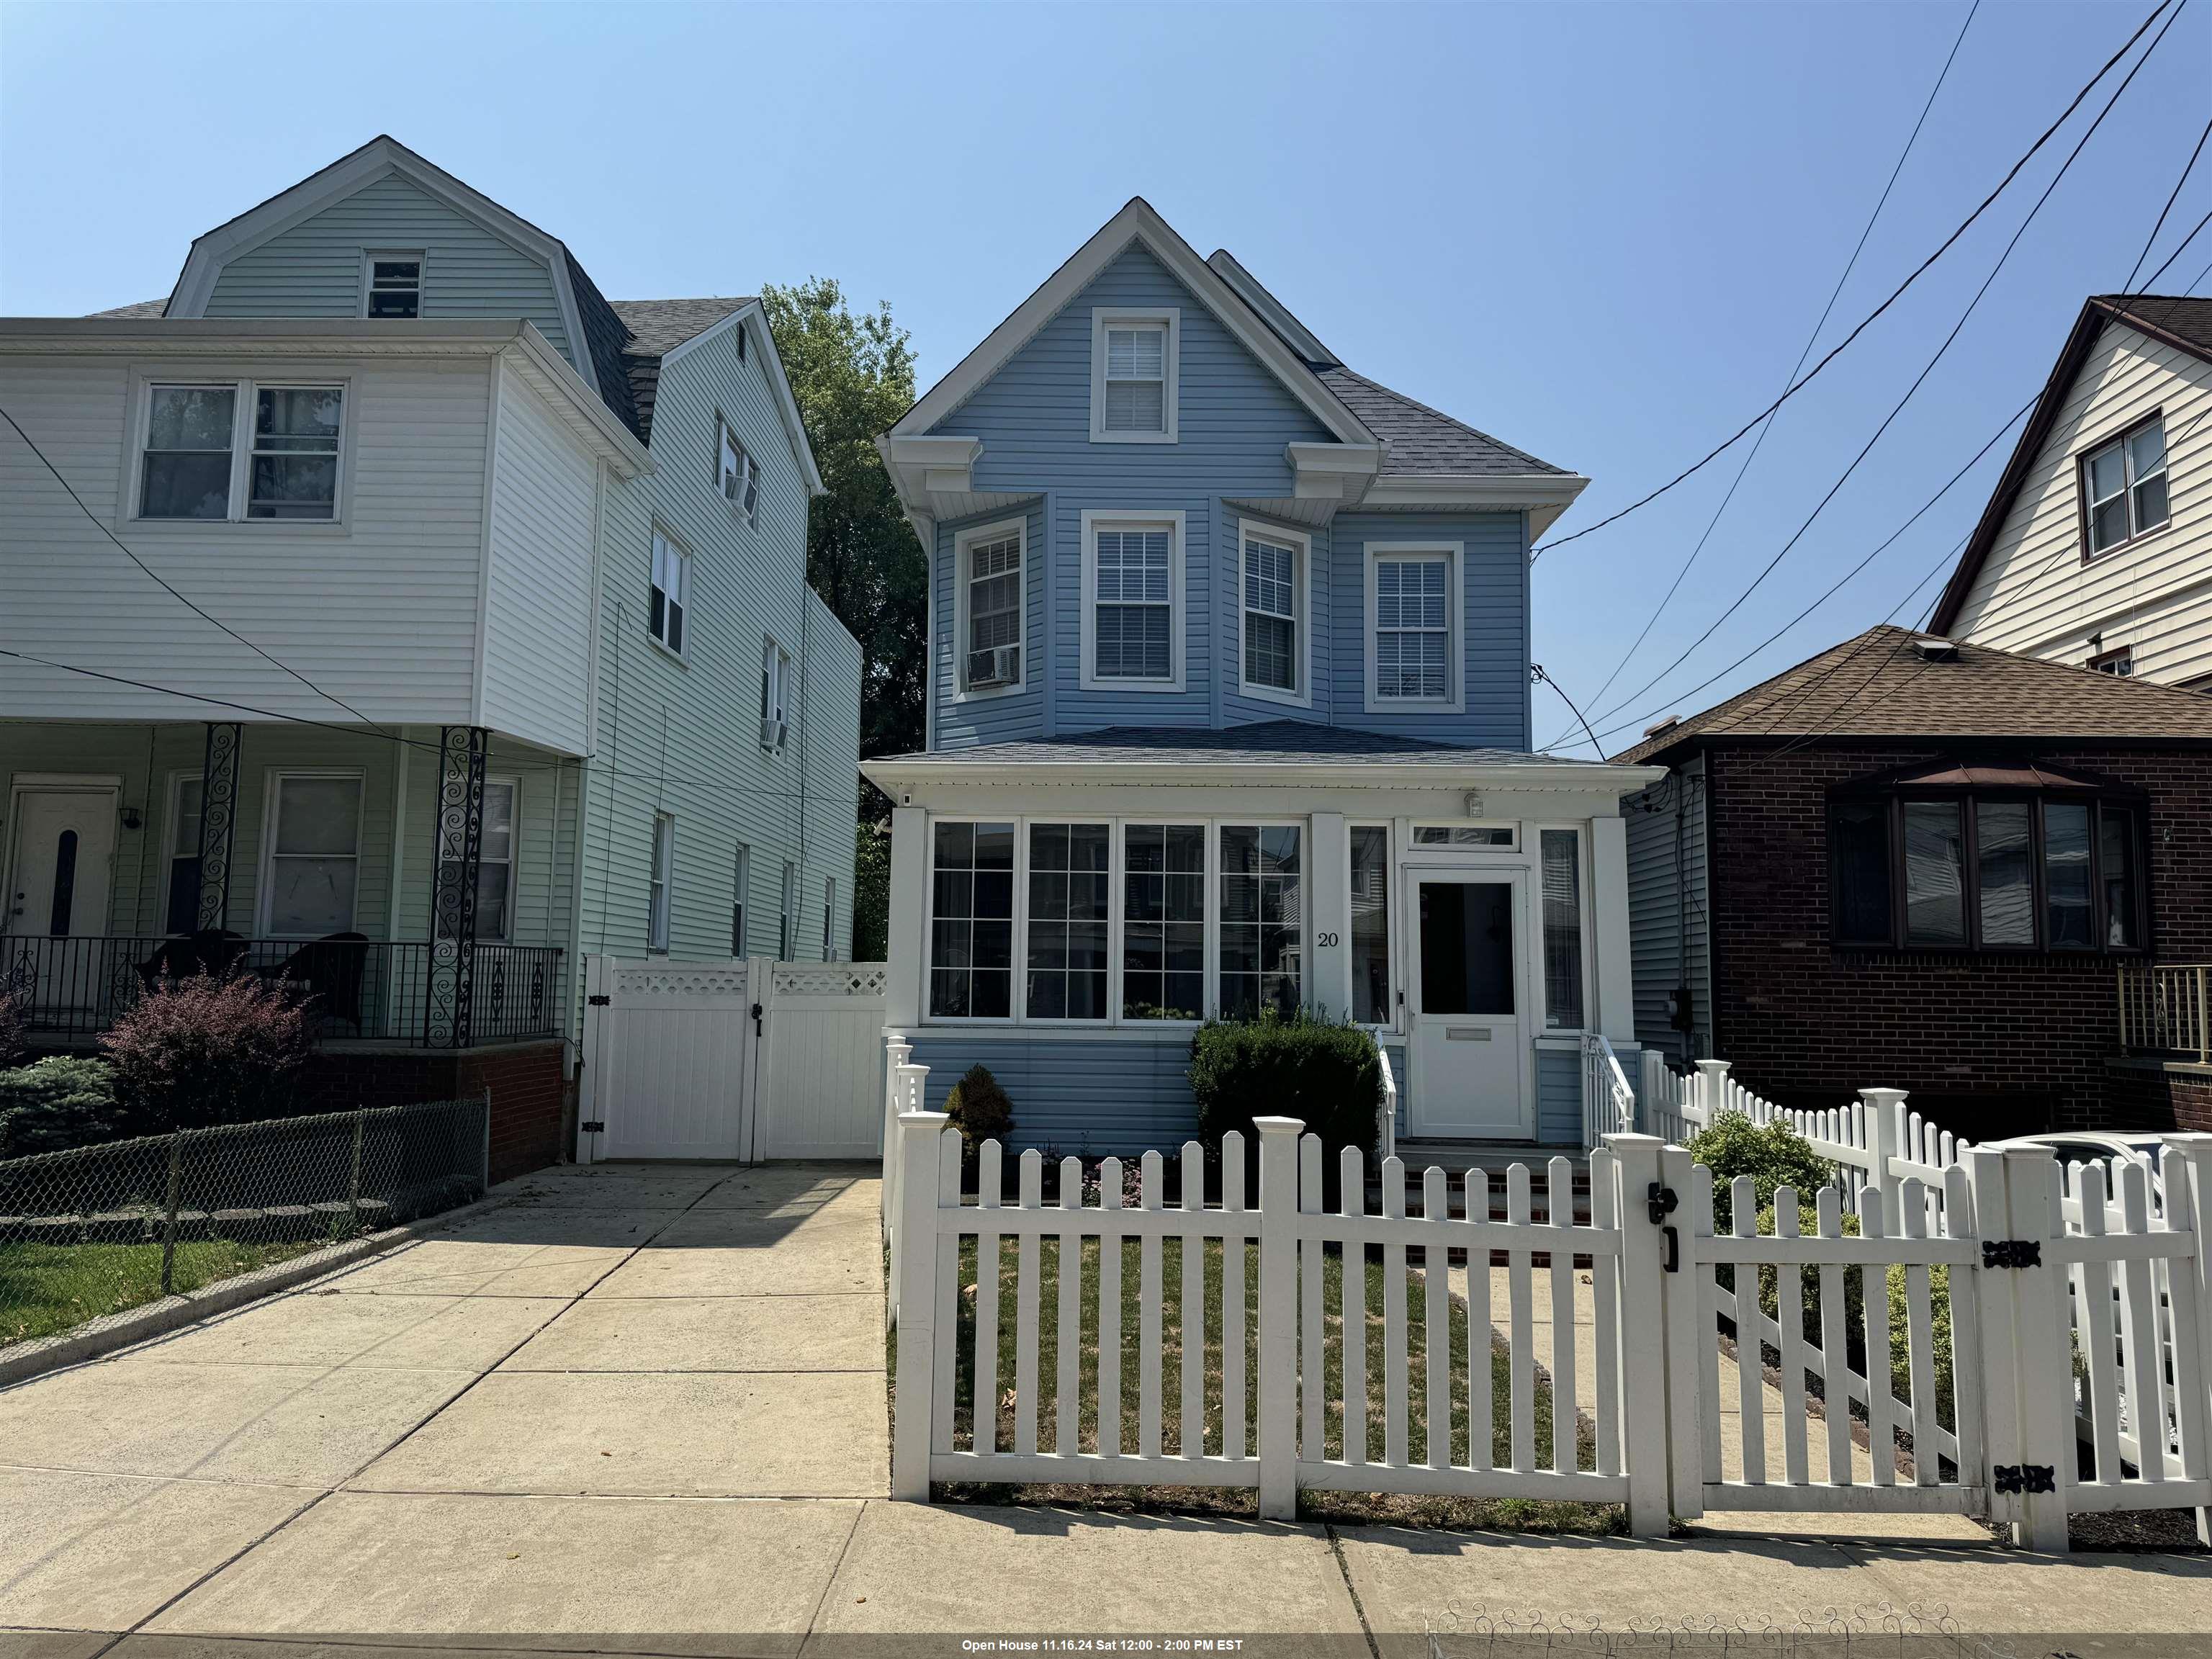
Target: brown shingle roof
1881	685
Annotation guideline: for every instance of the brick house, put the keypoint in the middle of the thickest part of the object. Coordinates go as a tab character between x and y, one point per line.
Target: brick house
1910	862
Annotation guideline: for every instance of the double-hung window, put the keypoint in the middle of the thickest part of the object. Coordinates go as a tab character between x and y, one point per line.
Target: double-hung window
1261	929
787	935
775	685
495	862
971	932
2124	492
392	285
670	599
188	793
829	917
240	450
1133	373
1132	585
1272	608
741	878
1413	604
313	868
990	562
660	879
737	474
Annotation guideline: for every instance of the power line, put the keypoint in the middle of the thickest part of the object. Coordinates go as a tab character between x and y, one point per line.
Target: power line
1898	293
2151	240
204	616
1537	671
1811	340
1929	369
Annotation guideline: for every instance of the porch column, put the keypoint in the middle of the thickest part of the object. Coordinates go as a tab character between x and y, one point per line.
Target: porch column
909	899
458	843
1330	881
1615	978
218	816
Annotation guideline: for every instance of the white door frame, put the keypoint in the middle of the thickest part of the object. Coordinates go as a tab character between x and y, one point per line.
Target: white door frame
25	784
1514	876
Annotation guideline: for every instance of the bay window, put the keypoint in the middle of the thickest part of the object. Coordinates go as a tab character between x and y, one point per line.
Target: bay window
1132	601
989	561
1272	608
2033	861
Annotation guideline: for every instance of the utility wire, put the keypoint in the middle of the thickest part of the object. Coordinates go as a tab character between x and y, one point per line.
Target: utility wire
1536	672
2151	240
1811	340
205	616
1896	409
1898	293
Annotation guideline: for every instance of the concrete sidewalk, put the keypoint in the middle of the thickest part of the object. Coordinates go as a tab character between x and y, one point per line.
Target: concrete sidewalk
641	1409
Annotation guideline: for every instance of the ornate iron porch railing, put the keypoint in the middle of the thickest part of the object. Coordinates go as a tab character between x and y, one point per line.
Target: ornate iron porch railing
374	990
2166	1009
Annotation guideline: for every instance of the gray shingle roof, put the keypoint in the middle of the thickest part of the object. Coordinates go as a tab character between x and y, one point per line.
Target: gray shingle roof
2183	316
606	339
656	328
1424	443
142	308
1284	743
1880	685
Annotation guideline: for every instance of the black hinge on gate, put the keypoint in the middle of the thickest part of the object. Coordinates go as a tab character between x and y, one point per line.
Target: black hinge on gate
2012	1253
757	1019
594	1128
598	1002
1659	1202
2025	1477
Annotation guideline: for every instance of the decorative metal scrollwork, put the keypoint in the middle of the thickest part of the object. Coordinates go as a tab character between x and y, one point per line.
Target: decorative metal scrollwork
459	842
218	818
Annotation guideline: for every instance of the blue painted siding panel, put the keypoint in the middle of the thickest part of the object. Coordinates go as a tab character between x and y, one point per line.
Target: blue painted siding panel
1559	1097
1091	1097
1493	624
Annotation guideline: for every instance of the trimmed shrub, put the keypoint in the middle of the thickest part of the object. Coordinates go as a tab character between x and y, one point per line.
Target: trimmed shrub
11	1030
60	1102
980	1109
1327	1074
1772	1154
206	1050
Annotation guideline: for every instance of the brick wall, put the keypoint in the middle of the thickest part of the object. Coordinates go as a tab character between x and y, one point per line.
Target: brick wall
527	1080
1989	1045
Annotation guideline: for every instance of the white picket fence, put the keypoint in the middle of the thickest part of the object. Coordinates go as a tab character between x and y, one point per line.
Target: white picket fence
1682	1389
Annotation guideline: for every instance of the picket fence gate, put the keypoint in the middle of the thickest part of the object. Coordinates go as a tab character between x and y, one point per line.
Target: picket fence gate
2024	1264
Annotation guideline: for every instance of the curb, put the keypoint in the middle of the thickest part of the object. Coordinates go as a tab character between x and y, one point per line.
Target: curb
175	1312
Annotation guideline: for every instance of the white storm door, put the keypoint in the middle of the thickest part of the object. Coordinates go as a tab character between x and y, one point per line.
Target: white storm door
1467	992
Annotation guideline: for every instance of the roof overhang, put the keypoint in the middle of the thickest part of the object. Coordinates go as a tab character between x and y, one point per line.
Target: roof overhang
794	424
1333	472
1543	495
896	774
381	157
292	338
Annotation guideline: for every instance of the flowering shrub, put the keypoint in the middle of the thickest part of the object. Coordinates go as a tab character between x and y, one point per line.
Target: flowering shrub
206	1050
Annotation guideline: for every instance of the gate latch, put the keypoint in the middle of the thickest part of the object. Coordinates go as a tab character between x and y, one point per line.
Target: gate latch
1659	1203
597	1001
594	1128
757	1019
2012	1253
2025	1477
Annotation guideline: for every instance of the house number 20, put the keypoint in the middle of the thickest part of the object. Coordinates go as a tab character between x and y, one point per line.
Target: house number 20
1325	941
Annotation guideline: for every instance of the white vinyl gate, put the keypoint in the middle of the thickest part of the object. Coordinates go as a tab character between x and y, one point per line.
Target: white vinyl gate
734	1061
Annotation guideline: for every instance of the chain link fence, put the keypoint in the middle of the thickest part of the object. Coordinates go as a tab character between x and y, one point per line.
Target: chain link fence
92	1232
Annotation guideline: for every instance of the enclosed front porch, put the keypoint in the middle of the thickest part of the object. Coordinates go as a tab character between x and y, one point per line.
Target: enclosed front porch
411	883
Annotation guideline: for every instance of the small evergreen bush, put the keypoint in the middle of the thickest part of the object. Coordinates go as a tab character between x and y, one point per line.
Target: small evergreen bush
980	1109
60	1102
1329	1075
207	1050
1772	1154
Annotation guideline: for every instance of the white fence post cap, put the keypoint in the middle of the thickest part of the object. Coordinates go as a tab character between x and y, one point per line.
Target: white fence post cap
924	1120
1713	1068
1882	1096
1634	1142
1279	1126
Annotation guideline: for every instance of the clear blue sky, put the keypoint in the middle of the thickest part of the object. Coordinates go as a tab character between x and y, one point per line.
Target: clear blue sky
1601	232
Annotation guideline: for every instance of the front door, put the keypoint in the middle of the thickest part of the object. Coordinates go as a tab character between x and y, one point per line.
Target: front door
1469	1059
56	887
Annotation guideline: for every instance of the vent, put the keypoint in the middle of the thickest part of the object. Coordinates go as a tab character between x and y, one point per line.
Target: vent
1654	731
1932	647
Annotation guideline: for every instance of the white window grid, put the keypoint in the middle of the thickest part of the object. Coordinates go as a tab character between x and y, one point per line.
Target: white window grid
263	439
669	598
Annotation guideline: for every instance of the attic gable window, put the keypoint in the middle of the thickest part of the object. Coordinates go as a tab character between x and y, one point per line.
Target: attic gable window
1133	374
737	474
394	285
2124	492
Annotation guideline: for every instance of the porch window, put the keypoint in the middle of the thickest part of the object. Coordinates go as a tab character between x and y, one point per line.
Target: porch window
1561	852
670	596
190	432
315	857
2123	491
1163	921
1412	601
741	881
971	939
2032	861
495	863
737	474
187	792
1500	835
660	879
1273	583
1261	920
990	565
1070	879
1370	924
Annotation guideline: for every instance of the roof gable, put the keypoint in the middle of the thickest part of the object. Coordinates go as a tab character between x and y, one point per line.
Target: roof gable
1136	222
661	331
2181	322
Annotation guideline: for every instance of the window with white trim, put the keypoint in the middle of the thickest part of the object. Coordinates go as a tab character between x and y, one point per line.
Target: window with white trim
1133	373
1132	602
741	881
736	475
1371	1003
775	686
1163	921
670	597
971	927
2124	487
1273	598
1412	618
495	861
1560	854
829	917
234	449
392	285
991	577
1070	883
314	854
787	933
660	881
188	790
1261	919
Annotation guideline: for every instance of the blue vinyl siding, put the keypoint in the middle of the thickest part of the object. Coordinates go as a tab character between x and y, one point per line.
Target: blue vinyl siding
1003	715
1093	1096
1559	1097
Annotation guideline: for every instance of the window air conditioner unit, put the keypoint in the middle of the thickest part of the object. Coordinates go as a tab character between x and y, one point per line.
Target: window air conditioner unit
773	732
1000	665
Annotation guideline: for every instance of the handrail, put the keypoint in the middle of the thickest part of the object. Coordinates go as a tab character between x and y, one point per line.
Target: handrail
1386	1115
2165	1008
1608	1101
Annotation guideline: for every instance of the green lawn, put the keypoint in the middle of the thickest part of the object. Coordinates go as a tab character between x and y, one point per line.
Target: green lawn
1333	1505
47	1288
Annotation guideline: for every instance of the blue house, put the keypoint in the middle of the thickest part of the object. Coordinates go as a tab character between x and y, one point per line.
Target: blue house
1230	709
